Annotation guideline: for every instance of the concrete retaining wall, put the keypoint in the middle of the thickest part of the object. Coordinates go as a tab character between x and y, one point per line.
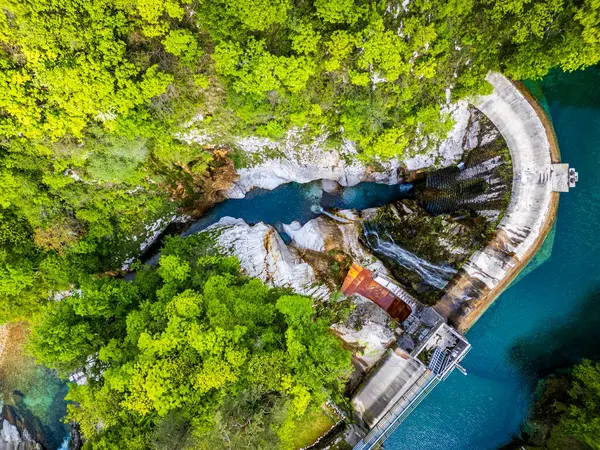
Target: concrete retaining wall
529	215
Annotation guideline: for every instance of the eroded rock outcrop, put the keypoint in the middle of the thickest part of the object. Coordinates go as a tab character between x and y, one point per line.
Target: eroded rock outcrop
264	255
272	163
368	332
16	433
325	234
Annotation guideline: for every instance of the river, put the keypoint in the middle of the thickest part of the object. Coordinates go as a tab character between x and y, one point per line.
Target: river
300	202
548	319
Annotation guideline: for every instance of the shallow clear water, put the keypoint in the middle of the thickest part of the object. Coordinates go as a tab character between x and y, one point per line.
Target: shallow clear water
300	202
549	319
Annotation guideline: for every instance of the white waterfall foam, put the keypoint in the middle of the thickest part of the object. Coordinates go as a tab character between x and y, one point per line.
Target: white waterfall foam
432	274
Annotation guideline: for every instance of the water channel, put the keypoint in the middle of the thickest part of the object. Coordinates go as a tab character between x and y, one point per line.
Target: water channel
300	202
547	320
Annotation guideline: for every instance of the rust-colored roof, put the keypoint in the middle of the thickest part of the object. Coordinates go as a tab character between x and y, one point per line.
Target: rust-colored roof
360	281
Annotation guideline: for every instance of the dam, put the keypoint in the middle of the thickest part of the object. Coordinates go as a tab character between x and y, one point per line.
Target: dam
432	345
538	178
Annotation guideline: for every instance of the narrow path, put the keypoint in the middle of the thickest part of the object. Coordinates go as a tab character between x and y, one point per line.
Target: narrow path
530	213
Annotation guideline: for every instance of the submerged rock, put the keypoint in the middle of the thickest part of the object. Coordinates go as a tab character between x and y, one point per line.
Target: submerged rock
331	186
31	401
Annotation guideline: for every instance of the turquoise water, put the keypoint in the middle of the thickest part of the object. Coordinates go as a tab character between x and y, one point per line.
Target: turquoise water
300	202
549	319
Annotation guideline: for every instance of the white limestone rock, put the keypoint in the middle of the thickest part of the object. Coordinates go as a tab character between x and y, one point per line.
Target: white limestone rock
323	234
264	255
368	330
11	438
310	236
293	160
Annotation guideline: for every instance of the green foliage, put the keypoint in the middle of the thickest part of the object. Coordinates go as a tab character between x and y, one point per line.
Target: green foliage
190	349
183	44
96	96
566	413
581	417
92	96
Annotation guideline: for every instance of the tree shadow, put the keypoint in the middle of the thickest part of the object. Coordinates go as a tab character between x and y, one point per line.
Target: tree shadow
552	348
558	86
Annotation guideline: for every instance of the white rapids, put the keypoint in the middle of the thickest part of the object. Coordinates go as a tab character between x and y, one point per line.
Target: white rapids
432	274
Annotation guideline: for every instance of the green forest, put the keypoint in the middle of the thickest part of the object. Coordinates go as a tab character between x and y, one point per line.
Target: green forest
190	355
566	414
95	98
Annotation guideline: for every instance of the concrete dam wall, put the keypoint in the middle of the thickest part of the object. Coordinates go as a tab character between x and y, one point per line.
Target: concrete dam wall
531	210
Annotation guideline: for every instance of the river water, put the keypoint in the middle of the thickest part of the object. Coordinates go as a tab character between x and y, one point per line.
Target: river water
548	319
300	202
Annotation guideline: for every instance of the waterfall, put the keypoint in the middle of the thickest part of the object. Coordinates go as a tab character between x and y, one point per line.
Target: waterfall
434	275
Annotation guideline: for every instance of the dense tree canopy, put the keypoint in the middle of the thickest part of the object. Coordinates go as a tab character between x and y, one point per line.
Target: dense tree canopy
190	354
580	415
96	94
566	412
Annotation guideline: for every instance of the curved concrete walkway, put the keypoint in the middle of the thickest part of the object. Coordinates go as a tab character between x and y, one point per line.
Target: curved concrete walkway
530	213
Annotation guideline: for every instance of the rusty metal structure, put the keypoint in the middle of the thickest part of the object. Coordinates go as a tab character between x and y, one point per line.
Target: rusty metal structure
360	281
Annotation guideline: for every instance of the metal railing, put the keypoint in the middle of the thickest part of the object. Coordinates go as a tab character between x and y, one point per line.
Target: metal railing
396	415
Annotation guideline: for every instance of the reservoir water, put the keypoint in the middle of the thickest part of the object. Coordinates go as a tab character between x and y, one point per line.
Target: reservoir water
548	319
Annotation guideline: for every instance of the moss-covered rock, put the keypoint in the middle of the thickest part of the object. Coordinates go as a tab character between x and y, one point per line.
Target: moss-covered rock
438	245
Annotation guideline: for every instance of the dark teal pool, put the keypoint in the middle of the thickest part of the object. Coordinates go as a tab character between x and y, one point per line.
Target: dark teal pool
300	202
549	319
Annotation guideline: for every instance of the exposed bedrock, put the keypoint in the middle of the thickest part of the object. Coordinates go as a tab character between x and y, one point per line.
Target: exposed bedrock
18	432
293	160
421	251
368	332
530	212
264	255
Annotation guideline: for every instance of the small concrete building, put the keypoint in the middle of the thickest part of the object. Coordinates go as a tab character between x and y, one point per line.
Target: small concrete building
427	351
562	177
